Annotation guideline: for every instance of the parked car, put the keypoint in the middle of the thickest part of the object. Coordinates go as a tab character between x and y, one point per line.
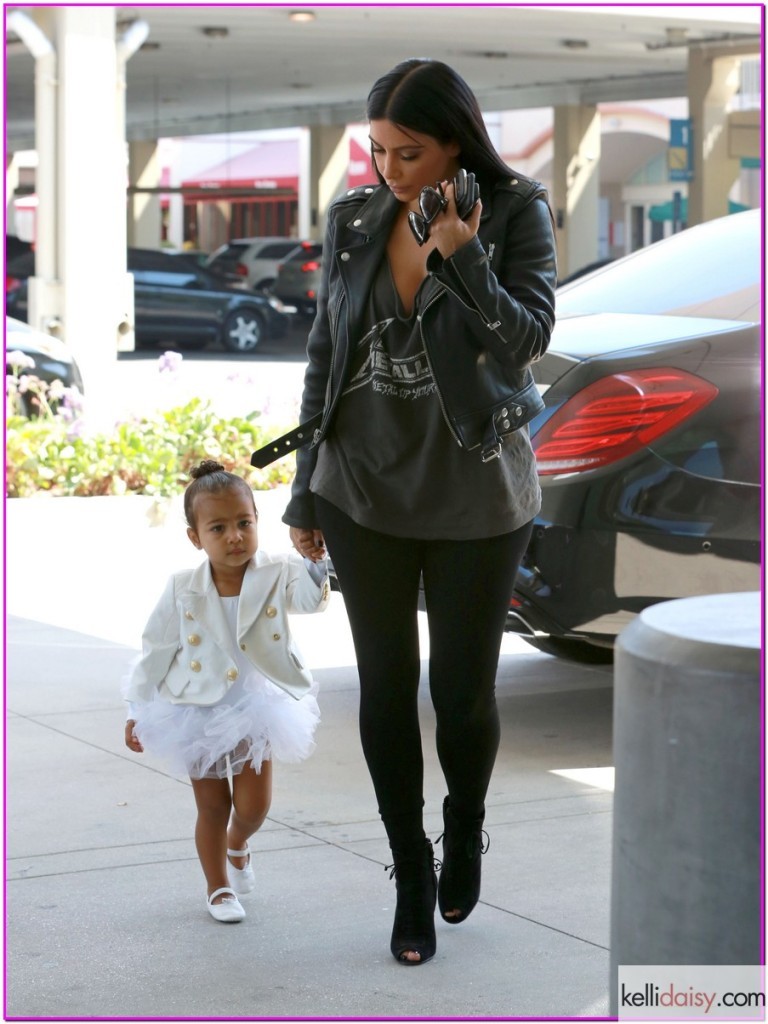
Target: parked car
50	357
298	279
176	301
199	256
15	246
18	268
582	271
252	262
649	448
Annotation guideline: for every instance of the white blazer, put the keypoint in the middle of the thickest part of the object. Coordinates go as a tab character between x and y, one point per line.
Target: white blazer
187	648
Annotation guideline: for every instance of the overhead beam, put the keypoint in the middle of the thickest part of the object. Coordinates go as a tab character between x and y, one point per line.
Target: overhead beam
584	92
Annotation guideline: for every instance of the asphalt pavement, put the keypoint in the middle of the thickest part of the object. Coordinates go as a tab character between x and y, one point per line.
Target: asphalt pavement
105	897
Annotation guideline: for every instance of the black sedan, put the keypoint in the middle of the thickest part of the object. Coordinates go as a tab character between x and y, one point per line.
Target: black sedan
649	448
178	302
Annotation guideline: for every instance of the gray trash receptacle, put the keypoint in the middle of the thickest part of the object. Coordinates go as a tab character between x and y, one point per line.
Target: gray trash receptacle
687	806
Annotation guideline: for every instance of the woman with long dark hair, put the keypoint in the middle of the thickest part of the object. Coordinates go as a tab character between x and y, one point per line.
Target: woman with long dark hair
431	310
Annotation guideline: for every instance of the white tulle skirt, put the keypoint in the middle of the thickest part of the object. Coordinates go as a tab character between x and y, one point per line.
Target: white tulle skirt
255	722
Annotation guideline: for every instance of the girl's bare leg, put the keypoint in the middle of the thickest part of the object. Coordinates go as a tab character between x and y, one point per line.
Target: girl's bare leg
252	797
214	803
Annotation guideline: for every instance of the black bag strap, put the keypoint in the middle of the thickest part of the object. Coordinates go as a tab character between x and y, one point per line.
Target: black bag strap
286	444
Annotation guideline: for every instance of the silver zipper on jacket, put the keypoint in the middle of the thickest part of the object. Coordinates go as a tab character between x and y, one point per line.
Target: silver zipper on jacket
476	308
441	400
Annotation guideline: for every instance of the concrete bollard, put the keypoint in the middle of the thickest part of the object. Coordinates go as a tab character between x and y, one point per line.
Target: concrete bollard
687	810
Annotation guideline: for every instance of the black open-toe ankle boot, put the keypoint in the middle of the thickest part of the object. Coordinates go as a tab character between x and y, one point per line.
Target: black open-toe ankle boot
464	840
416	881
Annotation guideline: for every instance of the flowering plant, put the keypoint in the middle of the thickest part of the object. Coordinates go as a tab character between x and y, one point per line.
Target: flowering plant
28	395
51	452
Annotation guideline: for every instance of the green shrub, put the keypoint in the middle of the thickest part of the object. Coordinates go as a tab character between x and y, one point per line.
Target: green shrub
52	453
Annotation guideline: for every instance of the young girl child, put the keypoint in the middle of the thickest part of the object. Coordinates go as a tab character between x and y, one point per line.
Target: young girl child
221	688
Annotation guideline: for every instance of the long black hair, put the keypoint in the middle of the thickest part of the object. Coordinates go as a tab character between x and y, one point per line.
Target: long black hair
431	98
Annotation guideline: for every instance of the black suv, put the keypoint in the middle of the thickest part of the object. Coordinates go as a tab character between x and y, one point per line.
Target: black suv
176	301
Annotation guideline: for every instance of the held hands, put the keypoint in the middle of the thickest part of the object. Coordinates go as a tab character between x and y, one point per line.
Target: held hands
131	740
309	543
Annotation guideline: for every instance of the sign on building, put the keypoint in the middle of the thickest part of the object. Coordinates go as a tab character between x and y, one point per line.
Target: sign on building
680	152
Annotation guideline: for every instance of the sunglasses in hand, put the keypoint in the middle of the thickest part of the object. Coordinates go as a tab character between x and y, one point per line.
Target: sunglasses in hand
433	201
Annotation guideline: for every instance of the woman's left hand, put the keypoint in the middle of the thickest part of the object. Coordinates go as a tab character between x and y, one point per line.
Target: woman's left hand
308	543
448	231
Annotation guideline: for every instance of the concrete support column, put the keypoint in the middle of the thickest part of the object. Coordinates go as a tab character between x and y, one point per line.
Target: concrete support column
712	82
687	747
326	163
44	295
97	308
144	220
175	199
576	185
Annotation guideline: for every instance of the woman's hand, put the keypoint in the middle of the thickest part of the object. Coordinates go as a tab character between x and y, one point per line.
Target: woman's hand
131	740
309	543
448	231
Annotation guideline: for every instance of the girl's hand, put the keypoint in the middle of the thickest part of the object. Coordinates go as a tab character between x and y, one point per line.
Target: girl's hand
309	543
131	740
448	231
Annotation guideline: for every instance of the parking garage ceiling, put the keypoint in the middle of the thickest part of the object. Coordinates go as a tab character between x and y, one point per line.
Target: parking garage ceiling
206	69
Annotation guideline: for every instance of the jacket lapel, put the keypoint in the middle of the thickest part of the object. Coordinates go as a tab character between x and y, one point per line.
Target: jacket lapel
358	261
206	607
259	585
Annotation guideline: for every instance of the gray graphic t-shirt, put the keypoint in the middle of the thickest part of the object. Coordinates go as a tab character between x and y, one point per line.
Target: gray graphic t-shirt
390	461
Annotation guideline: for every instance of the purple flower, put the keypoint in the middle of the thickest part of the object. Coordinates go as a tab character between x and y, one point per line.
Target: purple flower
70	403
56	391
19	361
169	362
75	429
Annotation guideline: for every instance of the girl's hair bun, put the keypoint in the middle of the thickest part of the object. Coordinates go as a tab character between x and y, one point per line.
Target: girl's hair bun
205	468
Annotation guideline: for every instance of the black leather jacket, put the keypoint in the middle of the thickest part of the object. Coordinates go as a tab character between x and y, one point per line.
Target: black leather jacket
487	313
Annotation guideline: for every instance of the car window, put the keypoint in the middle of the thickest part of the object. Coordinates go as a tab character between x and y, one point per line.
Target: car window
234	252
276	250
151	259
709	270
308	251
165	278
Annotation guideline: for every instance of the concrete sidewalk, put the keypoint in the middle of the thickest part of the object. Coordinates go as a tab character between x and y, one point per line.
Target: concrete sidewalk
105	896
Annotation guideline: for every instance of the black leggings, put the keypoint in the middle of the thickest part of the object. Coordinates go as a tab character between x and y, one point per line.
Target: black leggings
467	587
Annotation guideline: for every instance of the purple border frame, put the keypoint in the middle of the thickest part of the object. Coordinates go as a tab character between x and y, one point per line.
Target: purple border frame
600	3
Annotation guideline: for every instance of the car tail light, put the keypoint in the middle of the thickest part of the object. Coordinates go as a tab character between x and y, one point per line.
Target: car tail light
616	416
241	269
307	268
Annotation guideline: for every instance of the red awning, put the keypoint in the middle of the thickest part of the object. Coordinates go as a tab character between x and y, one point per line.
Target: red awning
269	165
360	170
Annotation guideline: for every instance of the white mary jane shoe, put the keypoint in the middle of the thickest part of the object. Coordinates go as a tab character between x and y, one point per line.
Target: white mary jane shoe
229	910
242	879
